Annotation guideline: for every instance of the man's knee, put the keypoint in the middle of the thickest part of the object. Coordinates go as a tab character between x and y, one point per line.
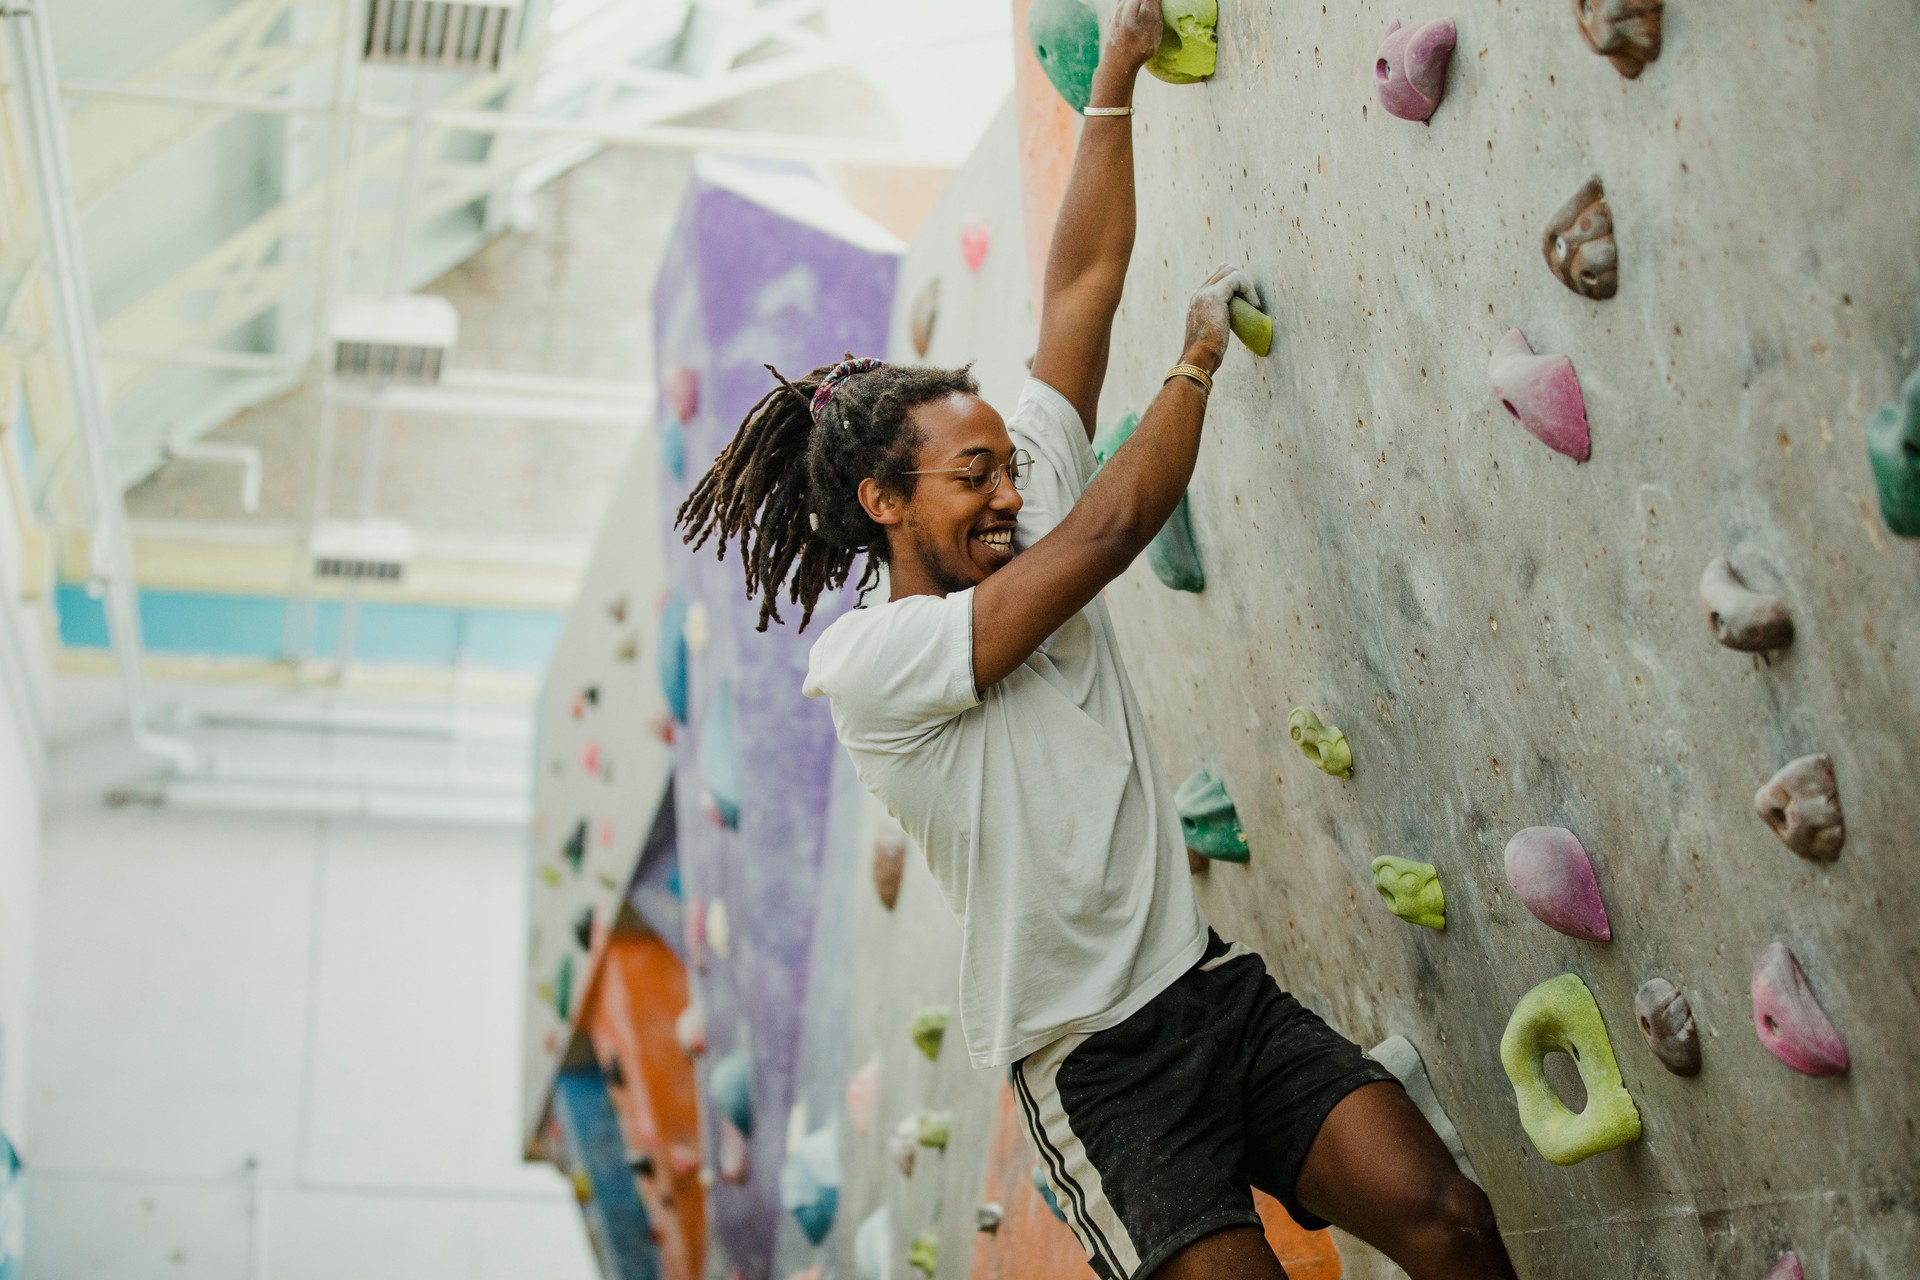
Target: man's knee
1456	1218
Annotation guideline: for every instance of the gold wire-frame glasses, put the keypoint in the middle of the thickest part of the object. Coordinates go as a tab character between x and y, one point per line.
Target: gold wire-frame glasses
983	473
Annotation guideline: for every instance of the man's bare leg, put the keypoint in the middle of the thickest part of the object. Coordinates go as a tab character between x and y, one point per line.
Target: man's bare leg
1238	1253
1377	1169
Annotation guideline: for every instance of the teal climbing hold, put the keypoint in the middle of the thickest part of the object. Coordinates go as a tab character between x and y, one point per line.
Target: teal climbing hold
1045	1189
719	759
1893	447
1172	555
575	849
929	1029
810	1184
1187	49
1412	890
1208	819
1560	1015
673	657
730	1086
673	450
1065	37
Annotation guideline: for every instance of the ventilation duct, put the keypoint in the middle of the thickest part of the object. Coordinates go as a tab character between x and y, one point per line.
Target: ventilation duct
439	33
404	339
369	550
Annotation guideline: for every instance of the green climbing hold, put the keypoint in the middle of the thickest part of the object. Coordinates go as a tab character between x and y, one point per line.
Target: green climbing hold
1412	890
923	1255
575	849
1172	555
1066	39
1251	325
1560	1015
933	1128
563	989
1187	50
1208	819
1893	447
930	1028
1323	744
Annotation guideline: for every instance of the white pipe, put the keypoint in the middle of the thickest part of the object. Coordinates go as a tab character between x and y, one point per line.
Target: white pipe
245	456
362	802
76	333
464	727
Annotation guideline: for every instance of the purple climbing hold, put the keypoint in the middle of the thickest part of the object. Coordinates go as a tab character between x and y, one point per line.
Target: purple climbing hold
1788	1268
1801	803
1411	71
1549	868
1788	1018
1543	395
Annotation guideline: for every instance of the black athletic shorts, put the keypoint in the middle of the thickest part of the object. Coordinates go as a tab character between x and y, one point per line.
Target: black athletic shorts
1151	1132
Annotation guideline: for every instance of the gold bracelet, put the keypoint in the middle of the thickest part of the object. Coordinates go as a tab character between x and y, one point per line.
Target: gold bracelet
1193	371
1108	111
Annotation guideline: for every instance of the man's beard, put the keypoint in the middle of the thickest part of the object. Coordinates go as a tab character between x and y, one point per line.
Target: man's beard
930	564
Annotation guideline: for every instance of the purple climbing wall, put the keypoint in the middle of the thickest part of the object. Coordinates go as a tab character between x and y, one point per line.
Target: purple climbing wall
766	265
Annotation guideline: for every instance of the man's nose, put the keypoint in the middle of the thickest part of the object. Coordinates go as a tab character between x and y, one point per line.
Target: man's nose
1005	498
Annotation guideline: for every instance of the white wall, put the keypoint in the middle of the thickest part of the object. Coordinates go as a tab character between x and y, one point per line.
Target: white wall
335	1000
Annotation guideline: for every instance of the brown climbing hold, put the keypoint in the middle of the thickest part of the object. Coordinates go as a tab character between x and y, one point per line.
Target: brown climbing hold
1579	244
1801	803
926	309
889	863
1624	32
1666	1022
1749	621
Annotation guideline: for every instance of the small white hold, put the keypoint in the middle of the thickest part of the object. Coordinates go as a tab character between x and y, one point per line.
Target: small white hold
904	1145
988	1216
719	932
698	628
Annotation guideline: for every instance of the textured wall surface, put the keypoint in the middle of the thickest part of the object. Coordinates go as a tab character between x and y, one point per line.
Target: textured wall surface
1511	639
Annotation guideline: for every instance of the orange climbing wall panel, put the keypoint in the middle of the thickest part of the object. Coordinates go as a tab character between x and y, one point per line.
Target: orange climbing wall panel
1032	1244
1048	131
640	989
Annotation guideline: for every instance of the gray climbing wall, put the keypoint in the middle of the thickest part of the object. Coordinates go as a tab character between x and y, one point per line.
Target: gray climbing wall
1512	639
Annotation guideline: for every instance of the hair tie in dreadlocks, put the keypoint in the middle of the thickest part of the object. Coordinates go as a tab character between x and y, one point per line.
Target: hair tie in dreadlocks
841	372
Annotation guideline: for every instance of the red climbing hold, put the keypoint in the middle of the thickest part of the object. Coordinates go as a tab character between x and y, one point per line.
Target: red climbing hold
974	239
1543	395
1788	1018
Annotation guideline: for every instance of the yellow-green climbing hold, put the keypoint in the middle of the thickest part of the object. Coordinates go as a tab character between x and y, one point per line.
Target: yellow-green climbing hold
1187	50
1251	325
1560	1015
923	1255
1412	890
929	1028
933	1128
1323	744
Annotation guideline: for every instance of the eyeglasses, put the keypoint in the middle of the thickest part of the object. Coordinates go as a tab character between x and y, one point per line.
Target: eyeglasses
983	473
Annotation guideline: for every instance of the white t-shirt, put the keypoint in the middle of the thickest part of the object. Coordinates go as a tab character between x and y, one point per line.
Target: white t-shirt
1041	807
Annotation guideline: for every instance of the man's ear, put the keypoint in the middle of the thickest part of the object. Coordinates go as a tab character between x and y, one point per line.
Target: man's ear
882	505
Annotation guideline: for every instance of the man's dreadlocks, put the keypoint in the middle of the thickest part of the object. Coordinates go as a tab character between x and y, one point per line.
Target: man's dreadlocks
786	486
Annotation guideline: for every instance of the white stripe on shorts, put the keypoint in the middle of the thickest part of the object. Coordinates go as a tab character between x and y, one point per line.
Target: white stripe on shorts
1076	1183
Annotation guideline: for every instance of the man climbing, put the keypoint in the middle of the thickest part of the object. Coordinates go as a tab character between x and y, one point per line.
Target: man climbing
1161	1071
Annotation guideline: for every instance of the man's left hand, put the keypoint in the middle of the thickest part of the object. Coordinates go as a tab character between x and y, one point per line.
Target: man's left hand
1134	35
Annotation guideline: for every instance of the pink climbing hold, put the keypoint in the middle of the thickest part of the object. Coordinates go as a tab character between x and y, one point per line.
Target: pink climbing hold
862	1090
1543	394
683	1160
1411	73
1788	1018
974	239
1549	868
733	1154
694	922
682	387
590	757
690	1031
1788	1268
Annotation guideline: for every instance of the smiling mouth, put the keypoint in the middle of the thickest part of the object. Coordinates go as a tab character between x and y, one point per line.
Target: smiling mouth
998	540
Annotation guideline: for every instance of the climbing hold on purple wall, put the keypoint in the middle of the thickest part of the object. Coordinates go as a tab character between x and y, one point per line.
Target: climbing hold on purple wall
1065	37
889	866
1412	890
698	628
1788	1018
923	1255
975	238
1410	72
810	1184
929	1029
682	389
673	656
1543	395
718	761
862	1089
1625	32
695	924
719	930
926	308
1560	1016
673	449
1801	803
1324	744
1208	821
1579	244
1739	618
730	1085
734	1165
1893	449
1549	869
1787	1268
690	1031
1666	1023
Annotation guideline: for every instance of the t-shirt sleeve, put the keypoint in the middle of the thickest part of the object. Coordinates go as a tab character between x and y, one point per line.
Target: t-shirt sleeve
1047	426
896	673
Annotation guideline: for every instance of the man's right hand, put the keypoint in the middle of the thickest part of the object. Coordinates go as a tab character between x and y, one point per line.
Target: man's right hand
1208	321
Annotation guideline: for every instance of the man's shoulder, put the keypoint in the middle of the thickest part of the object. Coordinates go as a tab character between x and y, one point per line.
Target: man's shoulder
851	646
